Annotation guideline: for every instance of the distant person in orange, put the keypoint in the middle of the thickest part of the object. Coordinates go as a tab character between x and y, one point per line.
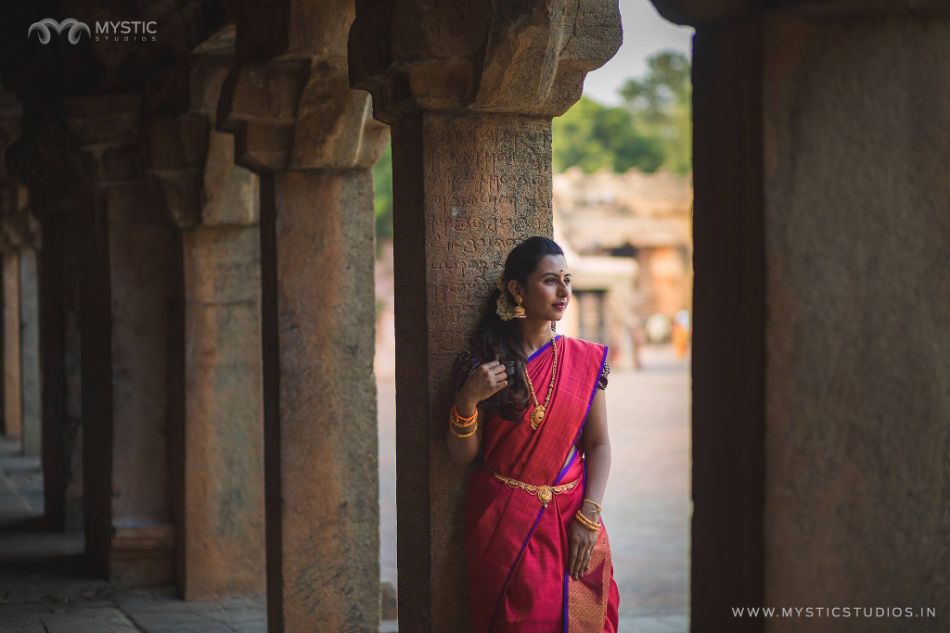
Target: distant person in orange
680	333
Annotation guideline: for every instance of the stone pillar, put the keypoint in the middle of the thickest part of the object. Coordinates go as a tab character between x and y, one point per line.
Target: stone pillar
819	196
12	412
129	258
30	378
728	359
46	162
858	330
60	268
215	204
11	114
21	235
56	438
71	358
470	101
297	123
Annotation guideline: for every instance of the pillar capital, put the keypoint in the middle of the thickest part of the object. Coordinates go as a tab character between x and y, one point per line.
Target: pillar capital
288	102
20	229
518	58
107	129
10	119
178	128
298	112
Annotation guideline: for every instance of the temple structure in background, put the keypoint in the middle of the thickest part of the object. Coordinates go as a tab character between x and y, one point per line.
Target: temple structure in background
632	235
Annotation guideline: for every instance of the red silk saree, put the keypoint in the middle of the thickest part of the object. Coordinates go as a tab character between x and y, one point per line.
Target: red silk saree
517	548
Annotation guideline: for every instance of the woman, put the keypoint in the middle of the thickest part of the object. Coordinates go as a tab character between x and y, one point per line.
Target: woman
528	401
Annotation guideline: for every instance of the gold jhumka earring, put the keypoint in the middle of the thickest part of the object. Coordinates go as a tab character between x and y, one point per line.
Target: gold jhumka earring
519	310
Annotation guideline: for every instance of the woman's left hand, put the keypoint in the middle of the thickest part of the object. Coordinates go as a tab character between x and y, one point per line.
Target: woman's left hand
582	544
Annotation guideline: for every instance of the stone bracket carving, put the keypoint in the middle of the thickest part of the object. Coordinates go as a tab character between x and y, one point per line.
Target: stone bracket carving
298	113
528	58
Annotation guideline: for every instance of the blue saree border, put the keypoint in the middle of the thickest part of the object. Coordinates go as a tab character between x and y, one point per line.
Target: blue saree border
590	401
504	586
542	348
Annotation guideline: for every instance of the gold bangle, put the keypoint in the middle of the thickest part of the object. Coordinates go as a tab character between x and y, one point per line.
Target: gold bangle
460	422
462	435
587	523
593	527
462	426
583	518
596	505
458	416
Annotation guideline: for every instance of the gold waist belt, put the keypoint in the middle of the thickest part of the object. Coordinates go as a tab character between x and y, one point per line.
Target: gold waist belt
544	493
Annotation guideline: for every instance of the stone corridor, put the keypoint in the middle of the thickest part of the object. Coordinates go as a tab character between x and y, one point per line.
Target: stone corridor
44	587
187	240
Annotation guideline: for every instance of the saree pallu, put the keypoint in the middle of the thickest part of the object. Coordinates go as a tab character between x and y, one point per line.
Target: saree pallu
517	548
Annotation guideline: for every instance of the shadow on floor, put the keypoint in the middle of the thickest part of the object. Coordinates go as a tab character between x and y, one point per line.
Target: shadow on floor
44	587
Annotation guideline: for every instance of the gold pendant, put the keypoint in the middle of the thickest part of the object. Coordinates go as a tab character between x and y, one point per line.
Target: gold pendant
545	494
536	416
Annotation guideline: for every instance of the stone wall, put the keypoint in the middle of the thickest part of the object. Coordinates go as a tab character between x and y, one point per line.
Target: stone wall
858	332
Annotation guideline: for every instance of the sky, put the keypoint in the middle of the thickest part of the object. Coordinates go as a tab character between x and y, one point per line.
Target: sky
644	33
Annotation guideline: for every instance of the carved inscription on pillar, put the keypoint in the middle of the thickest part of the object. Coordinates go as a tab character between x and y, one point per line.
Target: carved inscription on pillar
485	186
489	187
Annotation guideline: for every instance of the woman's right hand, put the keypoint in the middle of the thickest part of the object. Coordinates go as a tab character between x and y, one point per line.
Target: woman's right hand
484	382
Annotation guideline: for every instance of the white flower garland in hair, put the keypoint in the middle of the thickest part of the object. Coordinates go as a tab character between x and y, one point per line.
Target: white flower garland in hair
504	311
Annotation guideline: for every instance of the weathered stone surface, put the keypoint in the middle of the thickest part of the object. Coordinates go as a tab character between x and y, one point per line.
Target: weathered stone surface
12	411
710	12
701	11
47	161
109	118
299	113
220	445
320	401
182	107
128	261
859	359
72	368
30	378
59	267
223	463
11	117
297	122
294	28
728	358
177	147
528	58
230	194
140	258
467	188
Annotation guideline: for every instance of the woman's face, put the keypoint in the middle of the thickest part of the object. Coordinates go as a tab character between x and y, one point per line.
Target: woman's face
548	289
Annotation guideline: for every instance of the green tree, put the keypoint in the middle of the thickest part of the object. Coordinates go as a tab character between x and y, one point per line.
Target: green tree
594	136
383	194
660	104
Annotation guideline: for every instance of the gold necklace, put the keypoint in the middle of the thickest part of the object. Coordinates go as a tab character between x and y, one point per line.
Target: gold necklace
537	416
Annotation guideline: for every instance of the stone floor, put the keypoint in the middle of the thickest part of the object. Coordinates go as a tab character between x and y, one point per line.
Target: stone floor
647	511
42	589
